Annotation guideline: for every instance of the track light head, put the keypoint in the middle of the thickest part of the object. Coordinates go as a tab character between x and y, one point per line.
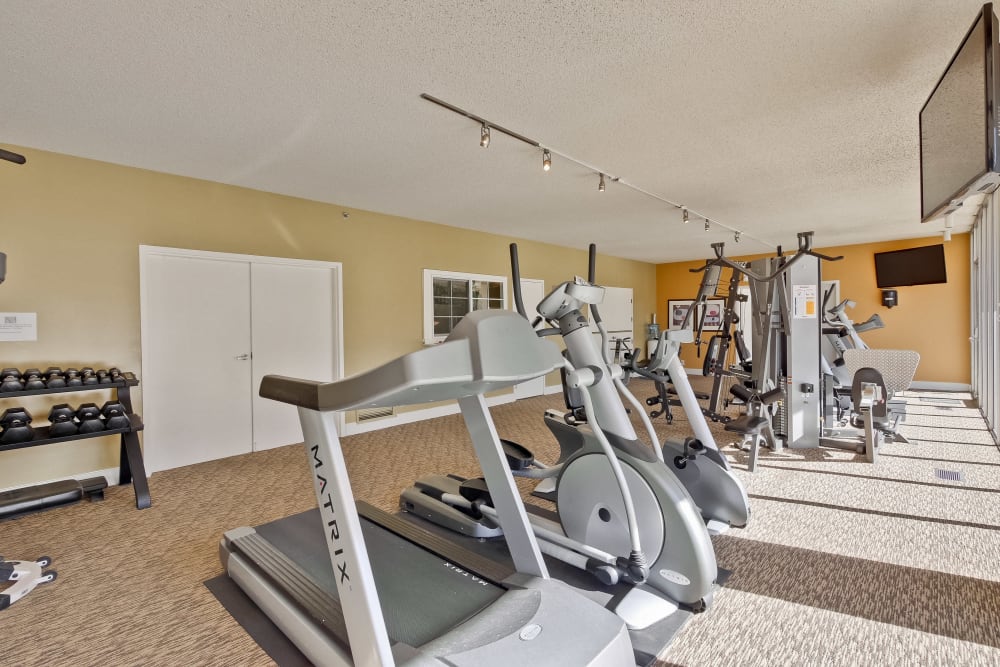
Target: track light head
736	236
947	235
706	224
687	219
546	160
600	185
484	136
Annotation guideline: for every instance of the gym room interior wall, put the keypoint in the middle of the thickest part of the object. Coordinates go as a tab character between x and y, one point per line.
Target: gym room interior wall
72	228
931	319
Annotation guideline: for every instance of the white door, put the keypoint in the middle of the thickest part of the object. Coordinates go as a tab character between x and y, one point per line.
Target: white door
532	293
293	321
196	360
213	324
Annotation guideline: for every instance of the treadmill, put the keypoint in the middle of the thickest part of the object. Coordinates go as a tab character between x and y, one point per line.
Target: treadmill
350	585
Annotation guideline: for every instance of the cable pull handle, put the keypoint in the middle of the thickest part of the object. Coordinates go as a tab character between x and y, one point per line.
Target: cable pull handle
805	248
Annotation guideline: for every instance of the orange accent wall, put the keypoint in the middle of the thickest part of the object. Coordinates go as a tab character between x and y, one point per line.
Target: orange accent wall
931	319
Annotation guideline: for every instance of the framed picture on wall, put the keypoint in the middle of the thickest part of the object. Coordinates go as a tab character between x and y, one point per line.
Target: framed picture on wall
677	310
713	312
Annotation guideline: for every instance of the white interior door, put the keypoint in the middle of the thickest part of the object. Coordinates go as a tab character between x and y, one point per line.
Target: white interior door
293	324
196	360
532	293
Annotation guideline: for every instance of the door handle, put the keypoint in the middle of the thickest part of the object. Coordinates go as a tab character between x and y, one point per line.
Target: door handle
242	357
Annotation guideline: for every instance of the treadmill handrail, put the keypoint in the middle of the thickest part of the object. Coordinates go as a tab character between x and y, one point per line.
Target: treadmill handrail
488	350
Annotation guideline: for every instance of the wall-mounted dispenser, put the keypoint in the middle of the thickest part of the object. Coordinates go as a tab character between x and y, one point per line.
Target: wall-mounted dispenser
890	298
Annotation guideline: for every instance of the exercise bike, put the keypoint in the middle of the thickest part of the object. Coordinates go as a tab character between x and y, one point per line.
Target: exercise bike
624	515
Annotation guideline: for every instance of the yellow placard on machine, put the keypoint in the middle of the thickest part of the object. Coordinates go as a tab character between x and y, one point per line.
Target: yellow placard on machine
804	301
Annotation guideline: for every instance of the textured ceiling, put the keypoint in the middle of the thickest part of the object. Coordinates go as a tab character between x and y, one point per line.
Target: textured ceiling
770	117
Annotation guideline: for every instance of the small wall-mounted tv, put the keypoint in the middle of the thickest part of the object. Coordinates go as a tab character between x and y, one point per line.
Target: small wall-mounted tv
958	124
916	266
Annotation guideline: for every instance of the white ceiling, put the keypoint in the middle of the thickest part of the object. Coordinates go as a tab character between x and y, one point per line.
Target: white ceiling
768	116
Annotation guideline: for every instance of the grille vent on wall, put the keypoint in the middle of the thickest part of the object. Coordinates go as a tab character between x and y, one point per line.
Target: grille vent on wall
368	414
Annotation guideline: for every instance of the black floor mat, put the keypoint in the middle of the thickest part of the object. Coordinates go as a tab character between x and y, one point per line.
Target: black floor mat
258	626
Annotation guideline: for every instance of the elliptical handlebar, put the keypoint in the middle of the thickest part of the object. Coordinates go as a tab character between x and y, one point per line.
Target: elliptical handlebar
10	156
805	248
515	271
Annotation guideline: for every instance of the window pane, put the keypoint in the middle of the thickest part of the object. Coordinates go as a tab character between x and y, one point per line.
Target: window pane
480	304
442	306
496	304
459	307
460	288
442	326
442	287
480	288
496	290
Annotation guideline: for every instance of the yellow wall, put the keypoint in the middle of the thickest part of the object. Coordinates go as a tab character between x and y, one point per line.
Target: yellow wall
931	319
72	228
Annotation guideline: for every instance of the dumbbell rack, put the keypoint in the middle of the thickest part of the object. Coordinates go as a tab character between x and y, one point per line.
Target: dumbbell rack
131	467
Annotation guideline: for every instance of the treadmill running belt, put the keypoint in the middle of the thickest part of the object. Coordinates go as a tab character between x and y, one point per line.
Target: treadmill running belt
422	595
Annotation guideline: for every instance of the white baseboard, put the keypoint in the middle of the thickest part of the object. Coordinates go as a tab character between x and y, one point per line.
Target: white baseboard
353	428
919	385
553	389
110	474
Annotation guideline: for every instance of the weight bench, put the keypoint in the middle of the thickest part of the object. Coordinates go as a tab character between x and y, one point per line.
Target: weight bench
755	425
878	375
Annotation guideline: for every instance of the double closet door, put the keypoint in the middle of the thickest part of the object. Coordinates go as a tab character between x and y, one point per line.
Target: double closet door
212	326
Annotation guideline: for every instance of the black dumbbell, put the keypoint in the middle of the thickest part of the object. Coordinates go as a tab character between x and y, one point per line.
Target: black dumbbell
54	378
33	379
116	375
10	380
90	418
16	425
103	377
62	418
73	378
88	376
114	415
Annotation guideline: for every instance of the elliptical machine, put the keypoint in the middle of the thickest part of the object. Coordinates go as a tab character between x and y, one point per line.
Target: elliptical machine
624	515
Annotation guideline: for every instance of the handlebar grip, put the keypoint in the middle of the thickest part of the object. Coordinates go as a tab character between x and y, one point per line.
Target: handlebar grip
515	271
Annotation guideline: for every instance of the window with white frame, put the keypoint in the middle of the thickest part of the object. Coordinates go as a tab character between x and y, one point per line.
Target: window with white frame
450	296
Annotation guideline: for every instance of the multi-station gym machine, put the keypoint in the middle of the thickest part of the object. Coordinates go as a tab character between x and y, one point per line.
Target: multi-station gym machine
790	400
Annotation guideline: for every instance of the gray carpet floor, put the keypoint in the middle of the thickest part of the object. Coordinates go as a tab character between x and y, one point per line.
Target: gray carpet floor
843	563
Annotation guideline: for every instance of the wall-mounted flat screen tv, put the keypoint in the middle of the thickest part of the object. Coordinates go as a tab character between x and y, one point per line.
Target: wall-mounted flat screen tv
958	124
916	266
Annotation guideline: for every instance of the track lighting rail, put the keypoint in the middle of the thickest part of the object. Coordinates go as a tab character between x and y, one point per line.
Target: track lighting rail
604	176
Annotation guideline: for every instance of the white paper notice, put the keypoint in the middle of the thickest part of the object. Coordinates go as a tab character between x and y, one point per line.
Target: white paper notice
804	299
18	326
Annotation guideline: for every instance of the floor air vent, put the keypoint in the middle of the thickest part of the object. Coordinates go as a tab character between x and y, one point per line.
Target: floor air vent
368	414
942	401
949	475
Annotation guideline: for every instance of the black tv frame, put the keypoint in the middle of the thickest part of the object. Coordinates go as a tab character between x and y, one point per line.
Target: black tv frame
944	264
989	178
